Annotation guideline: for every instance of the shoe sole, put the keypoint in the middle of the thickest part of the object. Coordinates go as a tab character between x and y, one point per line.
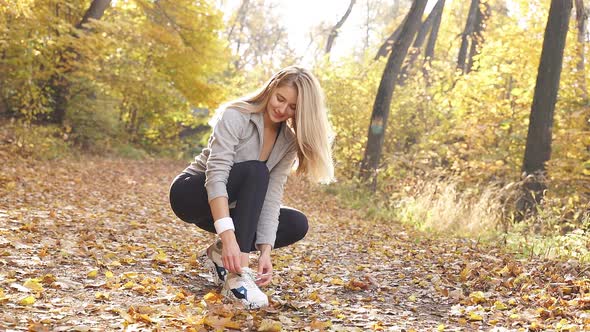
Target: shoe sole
229	295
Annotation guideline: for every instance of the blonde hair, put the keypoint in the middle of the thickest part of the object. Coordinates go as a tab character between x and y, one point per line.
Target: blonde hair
311	126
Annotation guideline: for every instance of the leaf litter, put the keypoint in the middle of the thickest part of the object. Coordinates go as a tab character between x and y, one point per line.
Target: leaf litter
92	245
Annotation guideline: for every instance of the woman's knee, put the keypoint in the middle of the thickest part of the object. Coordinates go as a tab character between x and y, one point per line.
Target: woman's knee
298	225
302	227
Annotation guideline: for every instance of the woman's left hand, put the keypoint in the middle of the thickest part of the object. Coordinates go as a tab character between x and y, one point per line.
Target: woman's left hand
264	268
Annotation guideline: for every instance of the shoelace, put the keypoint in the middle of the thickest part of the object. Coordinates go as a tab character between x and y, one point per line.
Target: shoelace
248	278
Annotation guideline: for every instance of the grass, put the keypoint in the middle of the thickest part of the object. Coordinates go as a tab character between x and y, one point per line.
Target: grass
445	208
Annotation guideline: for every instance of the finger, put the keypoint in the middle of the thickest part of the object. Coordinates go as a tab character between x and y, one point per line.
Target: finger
265	280
237	264
230	264
225	262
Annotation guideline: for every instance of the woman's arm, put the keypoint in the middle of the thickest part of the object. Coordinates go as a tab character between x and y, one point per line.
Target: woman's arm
269	216
230	253
226	136
264	265
268	222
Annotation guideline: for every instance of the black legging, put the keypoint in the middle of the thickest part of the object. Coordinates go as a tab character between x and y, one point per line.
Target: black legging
246	185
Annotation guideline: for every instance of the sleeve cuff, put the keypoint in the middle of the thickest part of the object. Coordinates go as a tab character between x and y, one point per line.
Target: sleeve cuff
216	189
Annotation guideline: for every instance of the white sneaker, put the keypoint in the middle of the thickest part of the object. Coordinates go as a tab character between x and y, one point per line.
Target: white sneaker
213	263
243	287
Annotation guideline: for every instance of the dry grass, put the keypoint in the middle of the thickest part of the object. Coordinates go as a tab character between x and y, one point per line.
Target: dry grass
441	207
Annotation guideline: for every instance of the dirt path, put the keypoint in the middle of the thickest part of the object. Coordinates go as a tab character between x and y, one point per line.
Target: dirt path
93	245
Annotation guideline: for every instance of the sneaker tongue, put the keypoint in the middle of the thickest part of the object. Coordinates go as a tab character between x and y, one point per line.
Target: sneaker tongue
248	273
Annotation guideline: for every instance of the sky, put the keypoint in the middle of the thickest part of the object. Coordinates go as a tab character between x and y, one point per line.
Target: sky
302	15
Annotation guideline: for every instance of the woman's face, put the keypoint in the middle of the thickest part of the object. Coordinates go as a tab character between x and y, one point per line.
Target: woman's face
282	104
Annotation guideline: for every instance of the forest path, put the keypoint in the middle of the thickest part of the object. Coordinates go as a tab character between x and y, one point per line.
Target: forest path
92	244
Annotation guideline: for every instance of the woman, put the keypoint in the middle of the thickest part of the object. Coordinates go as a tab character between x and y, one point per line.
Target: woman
235	186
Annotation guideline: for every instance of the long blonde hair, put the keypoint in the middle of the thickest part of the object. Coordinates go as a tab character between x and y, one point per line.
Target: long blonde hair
311	126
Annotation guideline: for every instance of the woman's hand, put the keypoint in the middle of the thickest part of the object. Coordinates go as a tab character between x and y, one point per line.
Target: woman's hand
264	266
230	252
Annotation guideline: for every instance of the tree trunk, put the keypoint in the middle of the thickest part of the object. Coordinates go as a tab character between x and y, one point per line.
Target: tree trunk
96	10
334	31
59	82
467	34
538	143
387	45
380	114
581	18
419	41
429	53
477	35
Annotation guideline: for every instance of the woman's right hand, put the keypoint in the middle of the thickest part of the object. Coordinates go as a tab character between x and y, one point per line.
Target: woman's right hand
230	252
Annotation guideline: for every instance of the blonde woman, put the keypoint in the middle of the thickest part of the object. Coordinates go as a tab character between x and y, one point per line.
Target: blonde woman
235	186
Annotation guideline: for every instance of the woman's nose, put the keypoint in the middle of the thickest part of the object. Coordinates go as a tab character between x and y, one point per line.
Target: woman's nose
282	109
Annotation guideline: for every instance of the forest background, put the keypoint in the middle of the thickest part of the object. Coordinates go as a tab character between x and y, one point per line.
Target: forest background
140	79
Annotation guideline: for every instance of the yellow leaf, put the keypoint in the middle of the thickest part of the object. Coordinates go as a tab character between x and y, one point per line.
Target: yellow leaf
319	325
101	296
474	316
161	257
337	281
477	297
268	325
219	322
92	274
108	274
129	284
212	297
34	285
314	296
27	300
465	273
440	327
412	298
377	327
500	306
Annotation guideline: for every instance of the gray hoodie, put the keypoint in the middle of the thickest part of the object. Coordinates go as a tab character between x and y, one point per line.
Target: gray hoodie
237	137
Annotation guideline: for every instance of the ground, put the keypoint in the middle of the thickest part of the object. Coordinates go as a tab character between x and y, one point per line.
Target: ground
92	245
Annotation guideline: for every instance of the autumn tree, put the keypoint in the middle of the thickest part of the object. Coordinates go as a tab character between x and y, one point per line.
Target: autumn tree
133	75
581	20
472	38
381	107
60	83
395	11
538	142
334	31
426	28
432	36
257	38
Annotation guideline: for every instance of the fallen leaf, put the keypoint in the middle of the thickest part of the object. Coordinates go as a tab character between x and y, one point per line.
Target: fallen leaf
29	300
474	316
34	285
268	325
220	322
